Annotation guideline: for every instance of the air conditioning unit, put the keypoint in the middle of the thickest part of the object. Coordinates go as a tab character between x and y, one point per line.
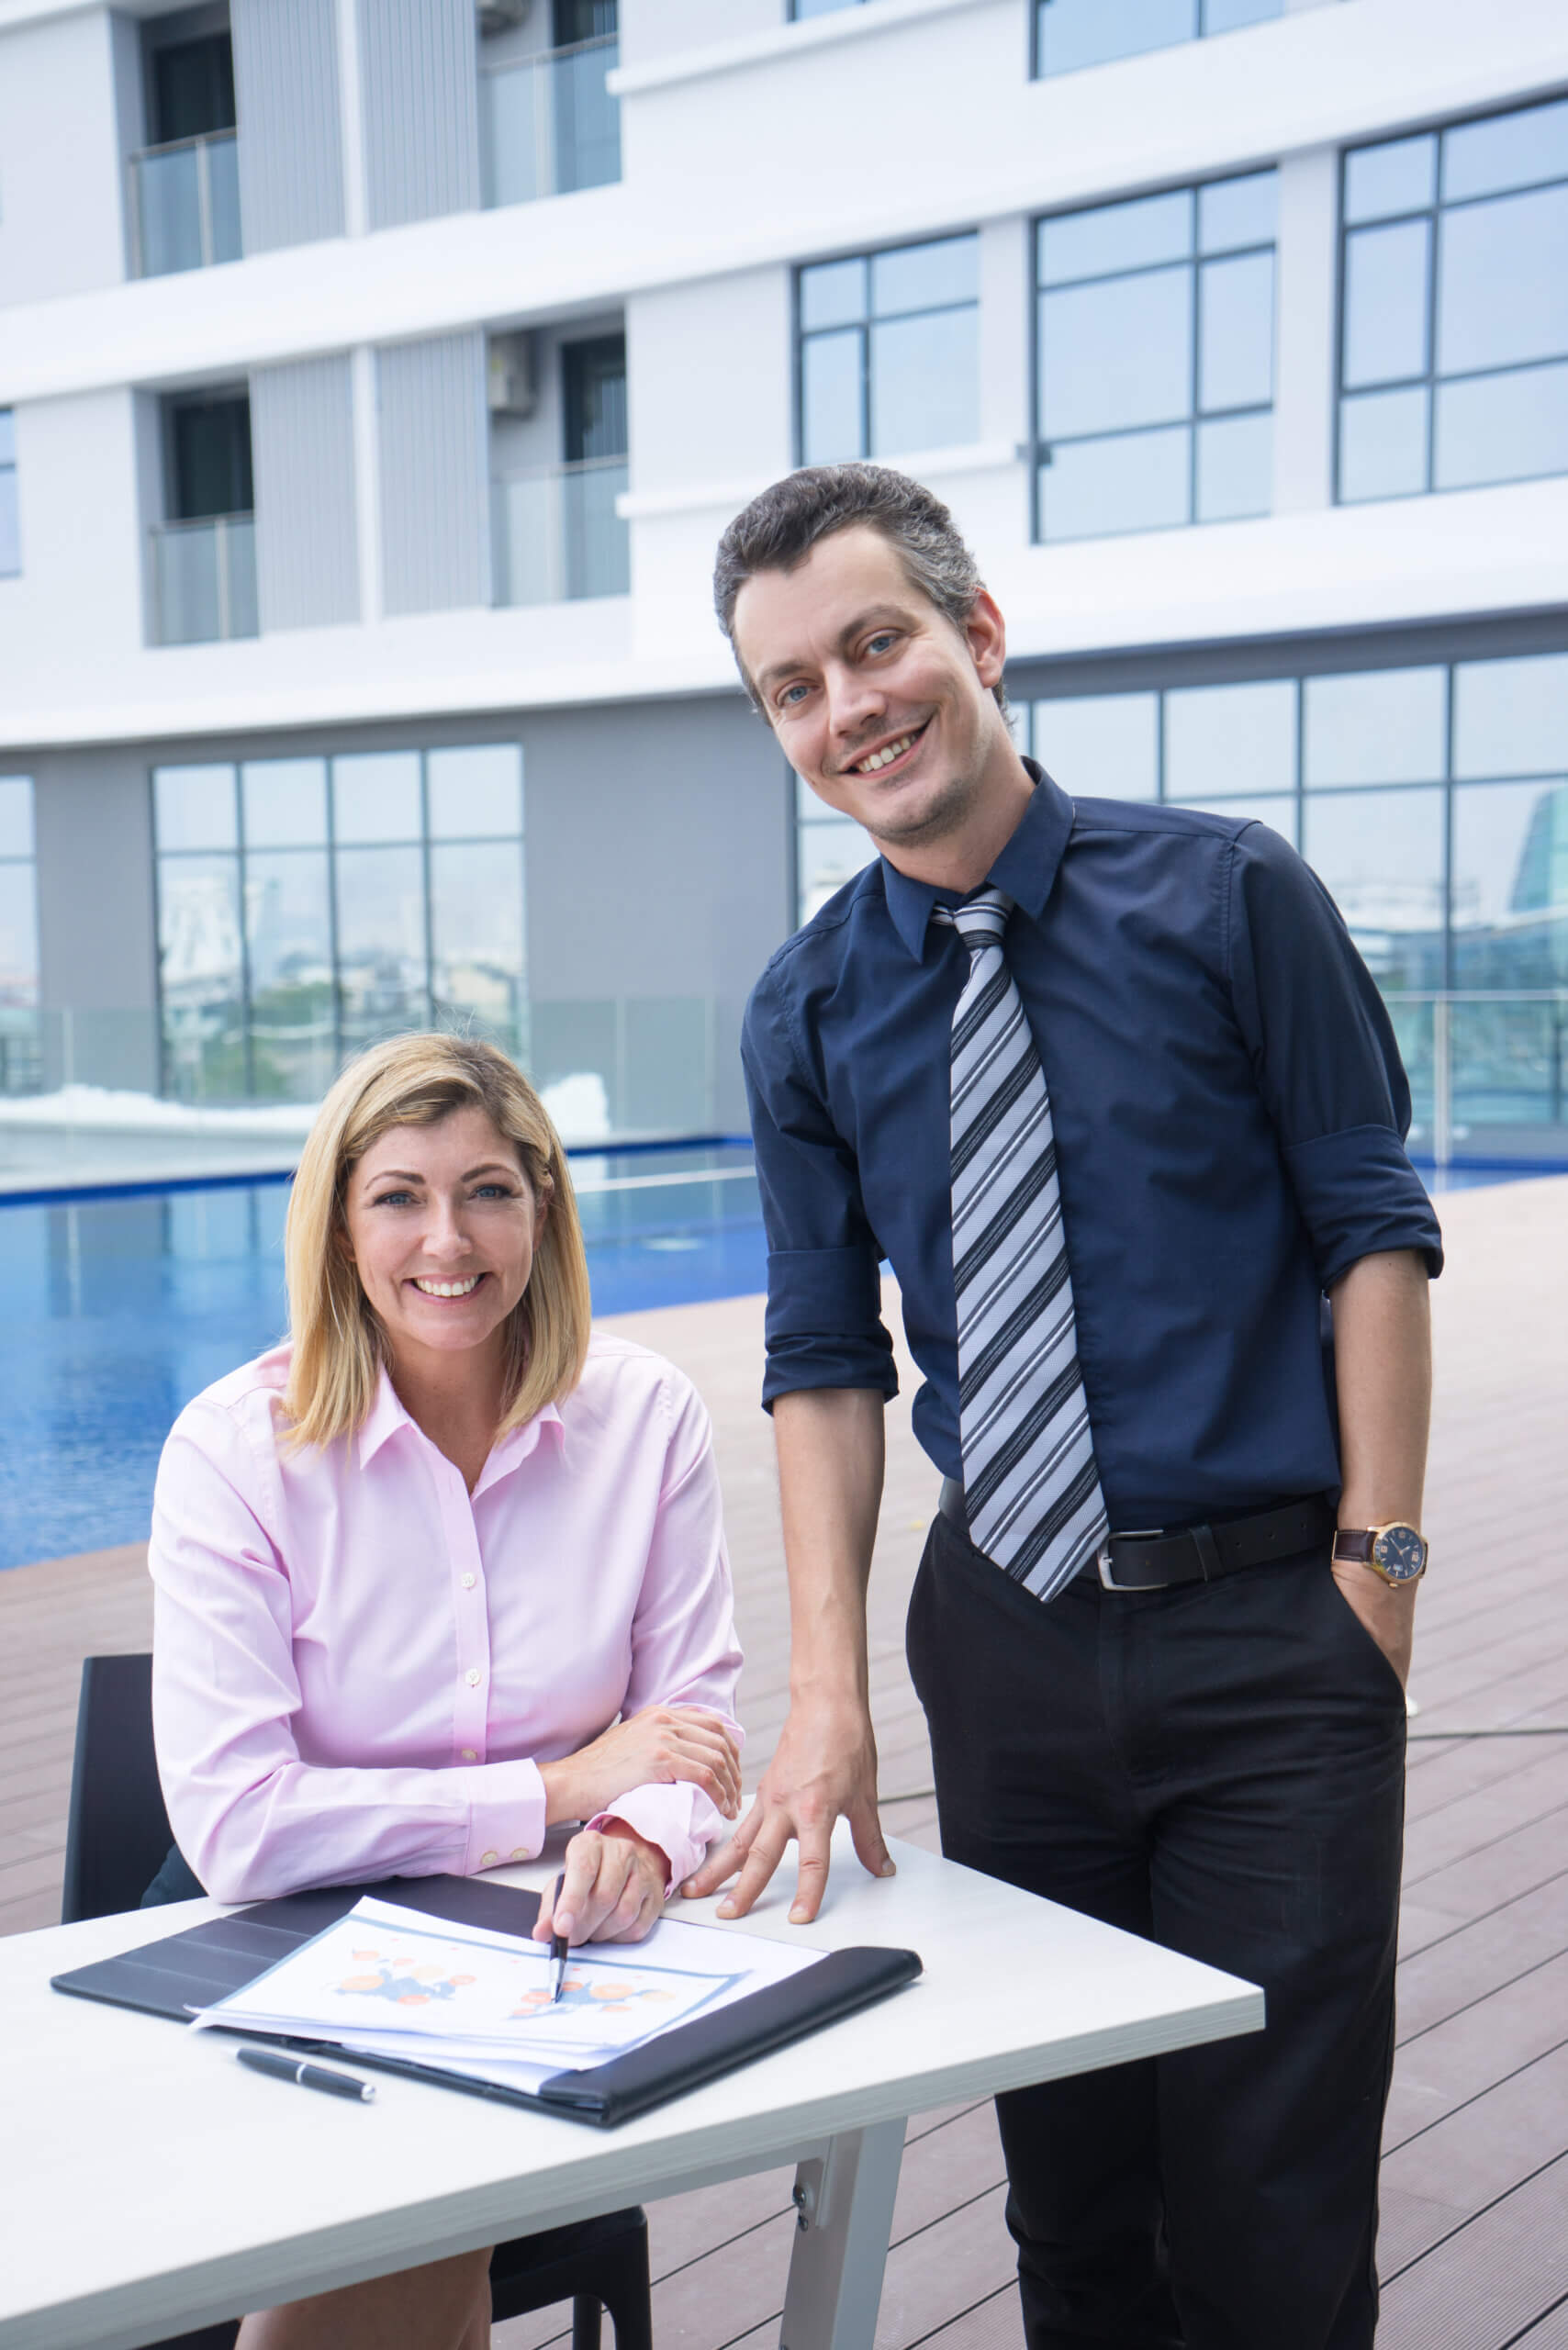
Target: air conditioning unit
511	383
501	15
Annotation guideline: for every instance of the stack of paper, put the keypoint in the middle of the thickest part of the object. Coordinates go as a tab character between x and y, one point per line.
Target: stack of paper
390	1982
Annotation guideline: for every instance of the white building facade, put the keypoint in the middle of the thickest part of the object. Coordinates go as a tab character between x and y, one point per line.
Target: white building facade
376	377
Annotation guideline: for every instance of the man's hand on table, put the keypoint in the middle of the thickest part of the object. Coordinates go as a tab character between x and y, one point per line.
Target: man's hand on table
825	1765
612	1888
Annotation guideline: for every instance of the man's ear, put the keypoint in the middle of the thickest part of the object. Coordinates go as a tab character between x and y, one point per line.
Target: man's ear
985	633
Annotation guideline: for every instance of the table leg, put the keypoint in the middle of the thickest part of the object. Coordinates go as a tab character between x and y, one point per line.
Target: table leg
846	2206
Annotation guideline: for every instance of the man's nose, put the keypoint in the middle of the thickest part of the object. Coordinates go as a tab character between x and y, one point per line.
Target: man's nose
854	703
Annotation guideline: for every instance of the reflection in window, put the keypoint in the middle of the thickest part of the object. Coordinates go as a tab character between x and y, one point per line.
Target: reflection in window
10	527
1100	746
1155	328
1073	33
890	352
1384	726
1225	742
1454	370
1380	854
307	907
20	1059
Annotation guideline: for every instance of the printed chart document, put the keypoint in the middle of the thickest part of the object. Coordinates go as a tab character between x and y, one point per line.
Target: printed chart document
390	1982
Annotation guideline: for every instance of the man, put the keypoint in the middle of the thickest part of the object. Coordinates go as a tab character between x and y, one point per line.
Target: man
1110	1087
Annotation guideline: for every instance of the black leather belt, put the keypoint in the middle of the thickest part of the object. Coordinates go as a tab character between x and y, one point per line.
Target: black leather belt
1151	1559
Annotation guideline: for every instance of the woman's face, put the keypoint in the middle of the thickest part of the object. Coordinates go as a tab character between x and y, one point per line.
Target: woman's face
443	1224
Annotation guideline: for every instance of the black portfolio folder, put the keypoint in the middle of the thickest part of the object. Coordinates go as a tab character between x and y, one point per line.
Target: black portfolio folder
204	1963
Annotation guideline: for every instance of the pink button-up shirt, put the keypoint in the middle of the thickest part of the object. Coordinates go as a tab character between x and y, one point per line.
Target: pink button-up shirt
358	1665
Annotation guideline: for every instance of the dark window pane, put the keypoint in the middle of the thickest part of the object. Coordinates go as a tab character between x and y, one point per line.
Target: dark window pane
1222	742
193	89
1137	481
1503	281
831	426
1502	428
288	934
1511	717
475	793
924	381
1383	726
376	796
284	803
1510	885
1383	444
193	808
1116	354
200	976
1400	177
833	294
1508	150
1116	236
1235	468
1381	854
1238	212
381	942
1386	303
1100	746
922	277
212	458
1236	332
594	390
15	815
476	938
1075	33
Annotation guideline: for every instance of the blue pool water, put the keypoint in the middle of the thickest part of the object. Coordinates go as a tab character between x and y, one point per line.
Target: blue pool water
115	1312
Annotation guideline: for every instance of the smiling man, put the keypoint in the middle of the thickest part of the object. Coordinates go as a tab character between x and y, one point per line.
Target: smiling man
1111	1088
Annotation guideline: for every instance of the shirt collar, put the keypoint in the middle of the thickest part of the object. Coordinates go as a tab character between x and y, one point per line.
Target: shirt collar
388	1415
1026	870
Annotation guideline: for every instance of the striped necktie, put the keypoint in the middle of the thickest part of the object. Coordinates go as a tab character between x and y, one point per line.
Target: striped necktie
1031	1487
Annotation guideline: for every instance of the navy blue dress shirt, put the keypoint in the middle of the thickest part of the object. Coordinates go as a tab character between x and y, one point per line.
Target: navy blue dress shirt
1229	1111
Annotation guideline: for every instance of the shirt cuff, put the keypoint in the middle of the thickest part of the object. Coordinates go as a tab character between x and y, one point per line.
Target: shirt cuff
1360	1195
506	1815
678	1818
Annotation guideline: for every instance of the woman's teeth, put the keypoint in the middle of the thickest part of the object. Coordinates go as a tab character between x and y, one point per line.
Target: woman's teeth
449	1289
886	756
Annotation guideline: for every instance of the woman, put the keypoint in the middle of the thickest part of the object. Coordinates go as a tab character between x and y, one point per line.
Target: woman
410	1567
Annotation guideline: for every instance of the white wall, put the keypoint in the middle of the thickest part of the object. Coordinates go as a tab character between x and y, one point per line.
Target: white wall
61	223
661	28
75	611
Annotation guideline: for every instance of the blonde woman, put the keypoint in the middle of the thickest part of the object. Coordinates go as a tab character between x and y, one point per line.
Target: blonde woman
445	1571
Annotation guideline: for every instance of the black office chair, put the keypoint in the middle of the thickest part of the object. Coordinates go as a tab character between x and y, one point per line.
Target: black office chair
118	1838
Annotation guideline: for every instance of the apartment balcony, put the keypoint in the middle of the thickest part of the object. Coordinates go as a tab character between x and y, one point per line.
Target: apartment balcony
556	534
184	205
548	125
204	580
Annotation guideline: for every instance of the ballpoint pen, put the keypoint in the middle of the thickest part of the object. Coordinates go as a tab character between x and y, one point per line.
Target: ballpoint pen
559	1951
281	2066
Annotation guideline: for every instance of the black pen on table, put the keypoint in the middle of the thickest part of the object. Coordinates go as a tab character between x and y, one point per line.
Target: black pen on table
281	2066
560	1949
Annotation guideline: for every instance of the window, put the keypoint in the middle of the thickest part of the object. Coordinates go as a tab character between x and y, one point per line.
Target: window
1071	33
203	557
800	10
10	529
890	352
1155	340
1455	329
20	1067
830	850
309	906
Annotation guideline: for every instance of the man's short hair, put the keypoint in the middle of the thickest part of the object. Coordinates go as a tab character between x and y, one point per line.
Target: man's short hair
781	526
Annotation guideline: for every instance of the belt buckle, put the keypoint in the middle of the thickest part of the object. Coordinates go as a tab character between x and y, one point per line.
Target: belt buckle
1104	1562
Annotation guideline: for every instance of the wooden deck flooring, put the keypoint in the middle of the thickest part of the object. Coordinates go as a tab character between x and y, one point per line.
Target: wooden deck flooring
1474	2240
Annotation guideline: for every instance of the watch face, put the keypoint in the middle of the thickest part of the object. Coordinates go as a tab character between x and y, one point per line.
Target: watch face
1400	1552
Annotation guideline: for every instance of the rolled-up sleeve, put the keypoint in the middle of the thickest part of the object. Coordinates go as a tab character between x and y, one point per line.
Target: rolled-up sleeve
824	1326
1326	1061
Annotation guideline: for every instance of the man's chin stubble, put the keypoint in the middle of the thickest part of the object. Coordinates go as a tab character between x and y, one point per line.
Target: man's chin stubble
941	816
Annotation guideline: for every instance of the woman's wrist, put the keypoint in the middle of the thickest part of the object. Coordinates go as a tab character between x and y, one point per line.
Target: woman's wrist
565	1794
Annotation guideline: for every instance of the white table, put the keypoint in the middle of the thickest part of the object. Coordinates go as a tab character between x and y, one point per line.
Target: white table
149	2184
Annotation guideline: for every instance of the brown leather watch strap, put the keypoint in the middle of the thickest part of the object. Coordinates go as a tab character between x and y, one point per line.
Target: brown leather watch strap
1355	1542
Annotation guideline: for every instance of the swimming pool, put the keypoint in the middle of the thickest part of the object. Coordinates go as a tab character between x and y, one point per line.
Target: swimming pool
117	1311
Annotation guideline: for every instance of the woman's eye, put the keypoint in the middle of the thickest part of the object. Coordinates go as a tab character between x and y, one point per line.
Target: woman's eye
392	1200
494	1191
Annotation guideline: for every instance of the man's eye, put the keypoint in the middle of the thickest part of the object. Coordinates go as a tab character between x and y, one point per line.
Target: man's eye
880	642
791	695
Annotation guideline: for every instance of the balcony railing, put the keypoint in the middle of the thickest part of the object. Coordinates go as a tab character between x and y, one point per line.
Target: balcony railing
1488	1070
204	579
558	535
548	124
184	205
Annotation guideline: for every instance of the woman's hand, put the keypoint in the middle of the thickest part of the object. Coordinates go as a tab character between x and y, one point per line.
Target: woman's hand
612	1888
657	1747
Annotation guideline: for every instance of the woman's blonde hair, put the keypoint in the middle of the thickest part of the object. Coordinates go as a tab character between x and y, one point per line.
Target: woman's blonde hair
338	1344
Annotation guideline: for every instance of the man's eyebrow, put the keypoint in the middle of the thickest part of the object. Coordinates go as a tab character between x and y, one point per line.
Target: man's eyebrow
874	612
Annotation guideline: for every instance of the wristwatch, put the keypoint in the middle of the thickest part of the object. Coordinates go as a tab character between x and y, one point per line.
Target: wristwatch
1398	1552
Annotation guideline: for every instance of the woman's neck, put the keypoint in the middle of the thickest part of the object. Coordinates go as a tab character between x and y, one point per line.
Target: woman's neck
456	1401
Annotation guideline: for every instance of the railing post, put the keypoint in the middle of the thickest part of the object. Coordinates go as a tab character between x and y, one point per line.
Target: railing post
1442	1082
204	203
220	549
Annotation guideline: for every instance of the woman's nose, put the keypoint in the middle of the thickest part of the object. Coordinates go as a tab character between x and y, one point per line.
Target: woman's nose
446	1235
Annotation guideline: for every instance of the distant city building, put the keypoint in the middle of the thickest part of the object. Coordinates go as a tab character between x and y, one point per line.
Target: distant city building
376	379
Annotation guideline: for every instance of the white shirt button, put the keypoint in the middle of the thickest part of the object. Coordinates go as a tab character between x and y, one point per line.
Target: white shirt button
469	1582
470	1754
472	1676
488	1860
521	1854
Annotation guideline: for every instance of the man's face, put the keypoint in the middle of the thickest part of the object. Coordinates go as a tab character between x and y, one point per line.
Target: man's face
876	700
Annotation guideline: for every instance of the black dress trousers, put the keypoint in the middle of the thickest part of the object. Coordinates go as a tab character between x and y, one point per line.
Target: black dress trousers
1219	1767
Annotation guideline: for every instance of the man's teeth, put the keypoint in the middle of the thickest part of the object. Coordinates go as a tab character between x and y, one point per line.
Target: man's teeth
885	756
449	1289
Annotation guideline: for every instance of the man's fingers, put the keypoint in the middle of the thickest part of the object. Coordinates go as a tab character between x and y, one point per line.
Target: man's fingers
811	1875
866	1829
766	1852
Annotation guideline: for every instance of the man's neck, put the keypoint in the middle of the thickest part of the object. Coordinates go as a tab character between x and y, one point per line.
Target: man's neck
961	858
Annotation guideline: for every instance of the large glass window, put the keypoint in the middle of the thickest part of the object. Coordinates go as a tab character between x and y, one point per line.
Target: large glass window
10	529
890	352
1155	327
309	906
1073	33
1454	342
19	1061
830	850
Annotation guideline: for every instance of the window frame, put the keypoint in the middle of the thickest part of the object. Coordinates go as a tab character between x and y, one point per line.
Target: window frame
1188	40
801	333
